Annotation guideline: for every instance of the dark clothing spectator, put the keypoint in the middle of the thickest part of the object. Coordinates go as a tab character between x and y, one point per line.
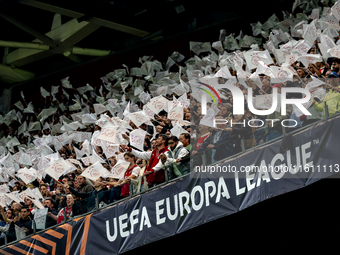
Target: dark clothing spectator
84	188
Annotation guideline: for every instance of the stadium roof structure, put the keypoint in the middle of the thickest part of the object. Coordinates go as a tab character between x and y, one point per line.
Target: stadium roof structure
39	36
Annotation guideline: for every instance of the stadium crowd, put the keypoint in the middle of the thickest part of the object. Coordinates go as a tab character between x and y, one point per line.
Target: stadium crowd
70	123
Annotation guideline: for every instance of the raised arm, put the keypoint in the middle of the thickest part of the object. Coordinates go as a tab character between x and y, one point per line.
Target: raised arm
139	154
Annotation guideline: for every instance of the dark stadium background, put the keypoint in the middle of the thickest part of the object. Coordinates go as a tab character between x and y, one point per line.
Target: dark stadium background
302	221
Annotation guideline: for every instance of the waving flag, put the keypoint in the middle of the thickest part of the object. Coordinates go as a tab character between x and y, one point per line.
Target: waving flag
99	108
44	93
253	58
336	10
335	51
118	170
137	137
310	33
14	196
26	176
57	169
109	149
314	83
138	118
262	68
108	134
158	104
95	171
4	188
280	75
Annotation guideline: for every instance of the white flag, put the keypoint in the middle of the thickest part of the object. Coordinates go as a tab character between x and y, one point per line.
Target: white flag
148	112
46	126
46	113
4	188
315	14
138	90
298	112
75	107
144	97
44	93
54	90
177	130
19	233
66	83
19	105
26	193
14	196
179	90
271	46
314	83
280	75
40	142
310	33
138	118
198	47
162	90
25	159
57	169
99	108
336	10
124	85
137	137
3	200
83	136
43	163
109	149
108	134
209	118
66	95
158	104
113	103
335	51
218	46
95	171
224	73
86	161
291	58
256	79
262	68
118	170
22	128
253	58
310	59
176	113
127	109
242	77
302	47
26	176
40	218
327	42
79	153
34	126
29	108
94	140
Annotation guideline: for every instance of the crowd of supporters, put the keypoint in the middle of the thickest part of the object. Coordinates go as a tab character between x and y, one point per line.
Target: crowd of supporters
74	194
166	153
